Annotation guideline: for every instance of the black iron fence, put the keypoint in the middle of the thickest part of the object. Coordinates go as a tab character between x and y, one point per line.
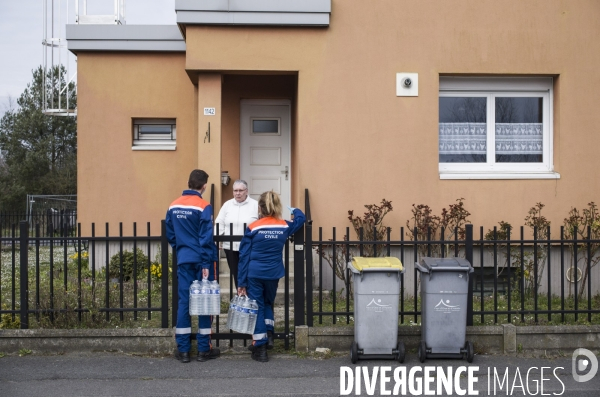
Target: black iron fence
515	279
97	281
60	280
51	222
81	281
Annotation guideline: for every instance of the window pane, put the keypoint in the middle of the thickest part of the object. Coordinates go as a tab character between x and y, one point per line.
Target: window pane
155	129
519	130
463	130
265	126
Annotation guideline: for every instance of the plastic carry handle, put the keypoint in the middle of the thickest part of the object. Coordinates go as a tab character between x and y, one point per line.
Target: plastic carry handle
452	269
422	269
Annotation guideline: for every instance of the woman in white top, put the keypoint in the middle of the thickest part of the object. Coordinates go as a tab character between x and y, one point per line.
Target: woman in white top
240	211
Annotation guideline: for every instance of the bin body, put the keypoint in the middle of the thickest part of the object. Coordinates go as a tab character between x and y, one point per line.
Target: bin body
444	293
376	295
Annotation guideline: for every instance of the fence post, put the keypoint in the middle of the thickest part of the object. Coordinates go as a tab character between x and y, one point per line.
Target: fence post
164	281
469	257
309	274
299	277
24	273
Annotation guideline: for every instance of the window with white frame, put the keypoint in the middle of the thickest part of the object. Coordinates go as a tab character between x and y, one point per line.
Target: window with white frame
495	128
154	134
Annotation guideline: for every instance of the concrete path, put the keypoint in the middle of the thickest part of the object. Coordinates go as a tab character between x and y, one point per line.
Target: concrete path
235	374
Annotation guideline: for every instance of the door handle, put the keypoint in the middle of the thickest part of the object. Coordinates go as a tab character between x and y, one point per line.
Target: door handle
286	172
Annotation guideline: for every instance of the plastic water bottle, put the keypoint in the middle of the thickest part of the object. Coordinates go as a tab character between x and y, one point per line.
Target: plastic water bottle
252	315
236	317
205	293
232	312
244	316
235	313
195	298
216	298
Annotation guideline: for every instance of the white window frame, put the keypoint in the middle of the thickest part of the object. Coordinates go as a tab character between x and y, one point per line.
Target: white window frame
490	87
154	141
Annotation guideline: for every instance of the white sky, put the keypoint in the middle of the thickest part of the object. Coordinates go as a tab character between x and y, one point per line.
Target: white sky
21	33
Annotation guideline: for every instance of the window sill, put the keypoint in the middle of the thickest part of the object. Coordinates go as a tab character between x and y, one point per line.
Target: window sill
154	147
499	175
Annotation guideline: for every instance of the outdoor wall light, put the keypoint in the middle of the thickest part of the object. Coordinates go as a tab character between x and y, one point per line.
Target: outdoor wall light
225	178
407	84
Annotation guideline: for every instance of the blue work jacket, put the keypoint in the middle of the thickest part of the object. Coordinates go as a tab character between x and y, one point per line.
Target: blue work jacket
190	229
262	246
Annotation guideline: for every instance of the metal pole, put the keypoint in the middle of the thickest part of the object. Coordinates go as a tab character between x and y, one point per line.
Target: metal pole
469	258
299	278
164	281
24	273
309	274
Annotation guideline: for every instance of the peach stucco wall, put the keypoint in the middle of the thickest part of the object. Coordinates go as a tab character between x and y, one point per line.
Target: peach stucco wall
116	184
354	141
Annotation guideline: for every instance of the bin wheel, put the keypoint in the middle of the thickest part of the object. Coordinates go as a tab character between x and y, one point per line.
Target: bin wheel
401	352
354	352
470	351
422	351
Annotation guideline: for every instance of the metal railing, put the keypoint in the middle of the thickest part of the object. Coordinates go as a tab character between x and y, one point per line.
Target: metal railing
95	275
125	277
106	278
515	279
52	223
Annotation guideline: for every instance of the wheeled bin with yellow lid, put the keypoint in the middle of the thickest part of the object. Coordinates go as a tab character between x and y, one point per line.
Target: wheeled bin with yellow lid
376	294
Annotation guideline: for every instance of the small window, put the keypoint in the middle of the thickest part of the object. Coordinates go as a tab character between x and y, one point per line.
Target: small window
265	126
495	128
154	134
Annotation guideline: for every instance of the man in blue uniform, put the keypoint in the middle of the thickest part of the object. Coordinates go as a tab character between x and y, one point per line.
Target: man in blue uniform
190	233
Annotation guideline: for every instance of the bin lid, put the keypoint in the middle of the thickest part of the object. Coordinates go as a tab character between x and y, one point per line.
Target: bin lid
386	263
457	264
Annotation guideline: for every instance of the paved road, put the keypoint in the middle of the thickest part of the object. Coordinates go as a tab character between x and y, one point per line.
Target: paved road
111	374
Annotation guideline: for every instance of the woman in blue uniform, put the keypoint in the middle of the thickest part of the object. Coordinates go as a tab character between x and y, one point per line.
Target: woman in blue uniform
261	265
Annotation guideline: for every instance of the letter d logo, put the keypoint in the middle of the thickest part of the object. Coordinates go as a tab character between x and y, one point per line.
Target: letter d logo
583	365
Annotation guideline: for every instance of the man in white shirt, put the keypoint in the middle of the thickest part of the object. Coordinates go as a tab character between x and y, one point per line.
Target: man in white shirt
240	211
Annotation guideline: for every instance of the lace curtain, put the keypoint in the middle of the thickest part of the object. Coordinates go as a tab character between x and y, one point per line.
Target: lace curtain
471	138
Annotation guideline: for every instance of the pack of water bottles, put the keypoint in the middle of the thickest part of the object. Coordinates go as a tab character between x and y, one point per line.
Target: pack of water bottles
242	314
205	298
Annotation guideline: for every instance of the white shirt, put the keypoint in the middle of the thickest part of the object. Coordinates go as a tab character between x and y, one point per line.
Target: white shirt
237	214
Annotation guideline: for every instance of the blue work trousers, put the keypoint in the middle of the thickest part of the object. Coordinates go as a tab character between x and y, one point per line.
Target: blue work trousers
186	274
263	292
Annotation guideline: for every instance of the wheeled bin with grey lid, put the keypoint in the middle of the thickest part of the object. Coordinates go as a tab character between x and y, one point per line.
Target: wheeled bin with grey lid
376	294
444	292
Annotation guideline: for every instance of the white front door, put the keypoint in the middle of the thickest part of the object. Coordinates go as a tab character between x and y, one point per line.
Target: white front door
265	148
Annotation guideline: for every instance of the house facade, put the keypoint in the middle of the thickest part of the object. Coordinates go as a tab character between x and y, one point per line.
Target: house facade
417	102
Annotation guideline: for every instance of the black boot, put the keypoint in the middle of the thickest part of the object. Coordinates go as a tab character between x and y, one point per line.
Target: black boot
209	355
270	342
184	357
260	354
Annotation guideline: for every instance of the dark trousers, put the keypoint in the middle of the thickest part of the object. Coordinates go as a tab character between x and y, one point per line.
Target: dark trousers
263	292
233	258
186	273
